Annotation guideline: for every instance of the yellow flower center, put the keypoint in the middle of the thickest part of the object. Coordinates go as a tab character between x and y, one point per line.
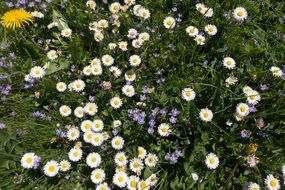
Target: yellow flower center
169	22
51	168
240	13
89	136
120	179
97	176
136	165
29	160
87	126
122	158
273	183
75	154
117	142
116	102
16	18
212	160
133	184
143	185
206	115
188	94
96	139
242	109
93	159
97	125
164	129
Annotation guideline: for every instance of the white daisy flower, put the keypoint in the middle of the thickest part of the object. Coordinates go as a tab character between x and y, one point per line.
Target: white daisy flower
240	14
121	159
51	168
118	143
283	170
93	160
75	154
52	54
200	40
64	165
229	63
28	160
98	125
136	165
135	60
151	160
91	4
211	29
116	72
208	12
117	123
123	45
188	94
169	22
137	43
93	26
144	13
107	60
133	182
86	125
272	183
144	185
116	102
128	90
141	152
64	110
66	32
253	97
192	31
115	7
112	46
201	8
73	134
242	109
91	108
88	136
206	115
231	80
276	71
254	186
97	139
120	179
132	33
130	2
152	179
87	70
144	36
130	76
96	70
95	61
212	161
78	85
98	176
247	90
79	112
164	129
61	86
103	23
37	72
103	186
98	36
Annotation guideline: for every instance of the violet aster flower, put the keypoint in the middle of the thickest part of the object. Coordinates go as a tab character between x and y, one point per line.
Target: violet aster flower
150	130
172	119
2	126
151	123
263	87
245	133
37	162
252	109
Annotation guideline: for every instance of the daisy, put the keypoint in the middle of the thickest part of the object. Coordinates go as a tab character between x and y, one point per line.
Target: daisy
143	185
240	14
144	36
123	45
242	109
137	43
117	123
212	161
164	129
272	183
253	186
192	31
133	182
75	154
121	159
135	60
88	136
115	7
86	125
201	7
97	139
28	160
136	165
151	160
188	94
200	40
128	90
37	72
103	186
98	125
64	111
79	112
253	97
116	102
64	165
78	85
209	12
51	168
52	55
132	33
152	179
107	60
91	4
66	32
103	23
98	176
37	14
118	143
112	46
91	108
130	76
73	134
93	160
87	70
61	86
229	63
206	115
96	70
116	72
130	2
95	61
144	13
247	90
231	80
211	29
276	71
98	36
120	179
169	22
141	152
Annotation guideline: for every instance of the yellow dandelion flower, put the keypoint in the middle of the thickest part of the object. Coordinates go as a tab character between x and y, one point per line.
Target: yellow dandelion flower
16	18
